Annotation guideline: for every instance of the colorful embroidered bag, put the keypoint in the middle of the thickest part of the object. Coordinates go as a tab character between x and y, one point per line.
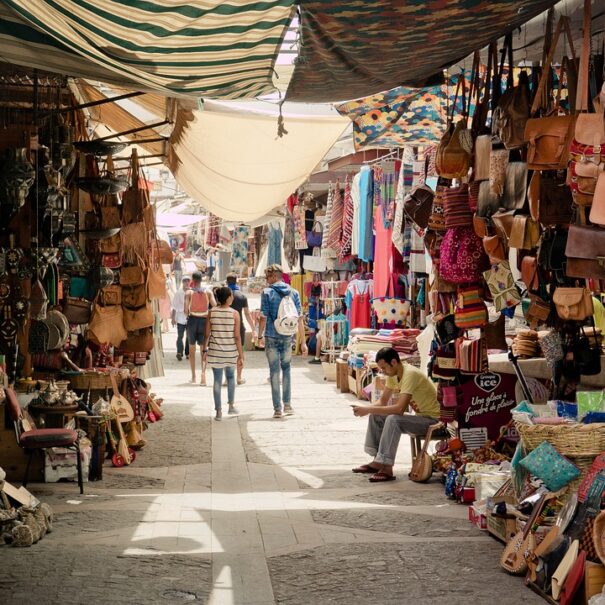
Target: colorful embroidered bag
462	259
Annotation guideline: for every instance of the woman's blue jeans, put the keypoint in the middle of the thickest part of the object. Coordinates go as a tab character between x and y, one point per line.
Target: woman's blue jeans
218	382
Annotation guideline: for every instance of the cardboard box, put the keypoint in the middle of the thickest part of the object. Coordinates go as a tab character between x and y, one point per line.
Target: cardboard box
501	528
477	517
61	463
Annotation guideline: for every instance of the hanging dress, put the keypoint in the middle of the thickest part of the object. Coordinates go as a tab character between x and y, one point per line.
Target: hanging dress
360	308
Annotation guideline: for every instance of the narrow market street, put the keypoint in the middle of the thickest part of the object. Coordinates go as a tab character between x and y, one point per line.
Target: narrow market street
256	511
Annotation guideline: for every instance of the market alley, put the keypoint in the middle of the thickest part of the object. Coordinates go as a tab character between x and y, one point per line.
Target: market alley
256	511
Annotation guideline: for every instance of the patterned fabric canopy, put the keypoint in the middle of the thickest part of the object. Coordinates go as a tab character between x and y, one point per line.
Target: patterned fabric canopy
200	47
402	116
356	48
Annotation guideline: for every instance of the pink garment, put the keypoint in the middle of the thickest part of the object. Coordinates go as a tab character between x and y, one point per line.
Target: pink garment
360	309
383	257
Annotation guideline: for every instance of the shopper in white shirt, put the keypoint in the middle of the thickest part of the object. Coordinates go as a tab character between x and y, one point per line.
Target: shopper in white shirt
179	319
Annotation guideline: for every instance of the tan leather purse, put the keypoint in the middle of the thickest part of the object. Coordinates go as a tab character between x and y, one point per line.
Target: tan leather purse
137	319
573	304
495	247
525	233
597	210
548	138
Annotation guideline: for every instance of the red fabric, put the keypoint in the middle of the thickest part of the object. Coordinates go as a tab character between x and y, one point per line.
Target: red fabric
43	438
383	257
360	310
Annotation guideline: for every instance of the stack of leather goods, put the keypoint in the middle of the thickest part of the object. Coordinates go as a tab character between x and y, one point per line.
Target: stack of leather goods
525	344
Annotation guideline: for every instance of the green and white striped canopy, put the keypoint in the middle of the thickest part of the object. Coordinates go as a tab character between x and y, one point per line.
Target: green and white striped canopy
207	48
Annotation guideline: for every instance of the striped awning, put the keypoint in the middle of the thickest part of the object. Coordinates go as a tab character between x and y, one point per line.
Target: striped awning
207	48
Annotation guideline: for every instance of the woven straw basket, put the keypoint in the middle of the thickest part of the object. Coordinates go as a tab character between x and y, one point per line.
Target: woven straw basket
570	440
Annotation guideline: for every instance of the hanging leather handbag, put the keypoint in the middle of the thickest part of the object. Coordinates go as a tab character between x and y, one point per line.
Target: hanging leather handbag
483	150
77	310
597	210
165	253
585	251
112	295
587	354
453	160
512	113
138	341
132	276
503	223
549	137
136	319
515	186
548	140
529	272
552	253
133	297
418	205
110	245
495	247
488	202
573	304
107	325
482	225
525	233
550	199
110	217
495	334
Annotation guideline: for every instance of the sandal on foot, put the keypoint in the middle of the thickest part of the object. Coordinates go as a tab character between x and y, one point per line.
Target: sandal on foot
381	477
365	468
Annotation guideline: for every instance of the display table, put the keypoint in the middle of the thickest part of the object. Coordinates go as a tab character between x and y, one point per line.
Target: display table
52	417
537	368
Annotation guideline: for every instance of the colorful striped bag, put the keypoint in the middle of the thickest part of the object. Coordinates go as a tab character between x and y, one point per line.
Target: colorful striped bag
470	311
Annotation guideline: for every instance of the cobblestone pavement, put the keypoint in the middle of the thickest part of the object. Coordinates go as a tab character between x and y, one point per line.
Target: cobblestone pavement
256	511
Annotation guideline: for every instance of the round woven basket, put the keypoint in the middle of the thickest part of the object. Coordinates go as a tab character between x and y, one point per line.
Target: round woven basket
569	439
598	536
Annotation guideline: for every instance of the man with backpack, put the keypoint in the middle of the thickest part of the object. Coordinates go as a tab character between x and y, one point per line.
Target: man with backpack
198	301
281	319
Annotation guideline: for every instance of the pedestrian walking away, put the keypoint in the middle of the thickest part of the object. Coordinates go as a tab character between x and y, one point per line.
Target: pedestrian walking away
223	349
387	420
177	267
179	318
198	301
281	319
240	304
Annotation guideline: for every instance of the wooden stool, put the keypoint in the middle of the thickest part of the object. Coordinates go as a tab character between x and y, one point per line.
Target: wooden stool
416	441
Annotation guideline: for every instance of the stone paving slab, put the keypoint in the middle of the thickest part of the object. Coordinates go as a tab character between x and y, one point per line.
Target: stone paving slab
256	511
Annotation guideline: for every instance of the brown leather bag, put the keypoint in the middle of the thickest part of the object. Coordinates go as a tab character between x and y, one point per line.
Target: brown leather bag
525	233
136	319
549	137
529	272
111	295
453	159
512	113
495	334
132	276
165	252
503	222
550	199
134	296
573	304
495	247
77	310
548	140
585	252
110	245
418	205
482	225
138	341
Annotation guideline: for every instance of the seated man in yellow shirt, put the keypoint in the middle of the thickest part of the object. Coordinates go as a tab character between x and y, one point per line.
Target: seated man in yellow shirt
387	421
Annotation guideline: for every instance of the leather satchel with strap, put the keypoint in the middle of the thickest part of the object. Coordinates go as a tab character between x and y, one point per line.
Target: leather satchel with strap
453	160
422	467
512	112
549	137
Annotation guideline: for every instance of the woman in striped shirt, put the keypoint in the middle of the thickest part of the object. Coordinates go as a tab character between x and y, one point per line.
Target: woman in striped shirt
223	347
